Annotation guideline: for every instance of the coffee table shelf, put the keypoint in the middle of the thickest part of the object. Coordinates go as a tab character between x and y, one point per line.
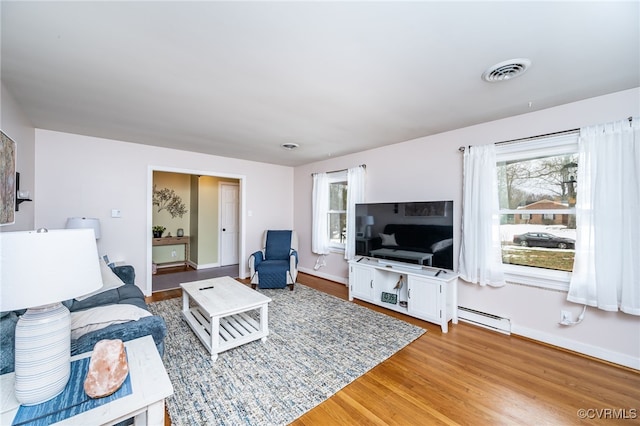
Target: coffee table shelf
225	314
234	330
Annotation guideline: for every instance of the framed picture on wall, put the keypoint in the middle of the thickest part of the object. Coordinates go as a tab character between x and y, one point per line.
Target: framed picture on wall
7	180
434	208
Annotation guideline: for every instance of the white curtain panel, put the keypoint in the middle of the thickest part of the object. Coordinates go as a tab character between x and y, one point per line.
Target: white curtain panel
606	271
320	205
480	259
355	194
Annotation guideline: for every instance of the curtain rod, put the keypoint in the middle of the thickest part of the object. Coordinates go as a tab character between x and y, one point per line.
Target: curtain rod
530	138
462	148
364	166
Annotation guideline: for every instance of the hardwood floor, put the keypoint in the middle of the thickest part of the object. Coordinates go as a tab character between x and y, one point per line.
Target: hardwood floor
473	376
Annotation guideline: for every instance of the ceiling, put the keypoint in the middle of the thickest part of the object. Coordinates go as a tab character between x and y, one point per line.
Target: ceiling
238	79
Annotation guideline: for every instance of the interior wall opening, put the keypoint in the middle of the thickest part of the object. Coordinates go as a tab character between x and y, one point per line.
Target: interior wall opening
195	221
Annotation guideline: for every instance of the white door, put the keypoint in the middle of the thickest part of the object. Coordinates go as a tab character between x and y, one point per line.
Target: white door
229	207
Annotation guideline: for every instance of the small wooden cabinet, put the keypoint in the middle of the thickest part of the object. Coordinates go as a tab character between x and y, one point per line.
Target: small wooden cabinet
422	294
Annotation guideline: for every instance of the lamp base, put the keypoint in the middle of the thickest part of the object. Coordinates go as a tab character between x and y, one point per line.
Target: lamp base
43	353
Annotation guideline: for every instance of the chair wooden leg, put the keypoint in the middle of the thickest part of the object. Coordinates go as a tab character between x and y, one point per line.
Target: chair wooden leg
290	287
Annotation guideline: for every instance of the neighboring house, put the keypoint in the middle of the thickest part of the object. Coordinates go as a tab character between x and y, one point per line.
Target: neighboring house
542	218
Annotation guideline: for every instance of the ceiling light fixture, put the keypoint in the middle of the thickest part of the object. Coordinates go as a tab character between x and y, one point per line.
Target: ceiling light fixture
289	146
506	70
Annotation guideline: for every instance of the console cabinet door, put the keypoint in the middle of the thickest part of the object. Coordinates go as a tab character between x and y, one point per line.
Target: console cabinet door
424	298
361	283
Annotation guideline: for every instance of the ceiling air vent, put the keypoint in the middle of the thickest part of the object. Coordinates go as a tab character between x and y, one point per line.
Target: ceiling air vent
506	70
289	146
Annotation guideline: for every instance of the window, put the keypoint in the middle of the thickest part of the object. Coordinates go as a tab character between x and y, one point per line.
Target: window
337	221
537	191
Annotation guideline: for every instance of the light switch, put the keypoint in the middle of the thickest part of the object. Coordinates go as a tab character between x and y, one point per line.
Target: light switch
116	213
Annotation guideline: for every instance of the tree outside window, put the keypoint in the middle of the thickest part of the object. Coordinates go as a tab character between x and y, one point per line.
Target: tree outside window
537	197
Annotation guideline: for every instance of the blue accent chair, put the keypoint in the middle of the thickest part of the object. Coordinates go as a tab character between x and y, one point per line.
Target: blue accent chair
276	265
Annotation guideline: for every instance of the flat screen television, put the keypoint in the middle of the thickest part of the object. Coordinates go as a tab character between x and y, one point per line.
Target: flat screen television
414	233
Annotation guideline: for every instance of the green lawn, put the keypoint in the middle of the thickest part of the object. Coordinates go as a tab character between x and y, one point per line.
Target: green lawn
561	260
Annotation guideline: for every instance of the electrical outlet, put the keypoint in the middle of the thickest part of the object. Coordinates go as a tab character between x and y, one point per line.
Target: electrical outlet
565	317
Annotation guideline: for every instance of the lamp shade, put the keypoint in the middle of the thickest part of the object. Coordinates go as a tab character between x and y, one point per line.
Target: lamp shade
39	268
368	220
85	222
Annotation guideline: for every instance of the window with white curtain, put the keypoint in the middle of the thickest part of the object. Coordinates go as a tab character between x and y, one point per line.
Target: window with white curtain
335	195
537	196
337	210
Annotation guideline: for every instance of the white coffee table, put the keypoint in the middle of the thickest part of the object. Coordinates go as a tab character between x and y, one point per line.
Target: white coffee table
150	386
221	314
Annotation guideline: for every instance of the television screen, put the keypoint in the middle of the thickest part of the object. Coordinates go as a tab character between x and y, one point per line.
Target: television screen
418	233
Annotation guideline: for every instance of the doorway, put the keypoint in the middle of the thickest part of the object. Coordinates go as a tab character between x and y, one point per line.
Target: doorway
213	202
229	196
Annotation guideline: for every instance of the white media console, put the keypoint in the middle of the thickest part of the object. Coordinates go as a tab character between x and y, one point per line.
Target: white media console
427	296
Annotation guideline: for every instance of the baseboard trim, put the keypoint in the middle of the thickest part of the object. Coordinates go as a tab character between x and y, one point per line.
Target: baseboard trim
329	277
206	266
582	348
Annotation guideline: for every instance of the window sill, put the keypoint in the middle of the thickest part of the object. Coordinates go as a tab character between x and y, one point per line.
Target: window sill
535	277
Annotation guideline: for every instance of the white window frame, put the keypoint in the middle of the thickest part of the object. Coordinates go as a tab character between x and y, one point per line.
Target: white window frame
566	143
335	177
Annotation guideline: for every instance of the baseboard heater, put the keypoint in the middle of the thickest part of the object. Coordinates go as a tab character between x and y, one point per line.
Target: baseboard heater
483	319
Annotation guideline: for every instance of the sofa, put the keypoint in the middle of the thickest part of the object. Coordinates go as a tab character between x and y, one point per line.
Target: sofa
124	295
436	239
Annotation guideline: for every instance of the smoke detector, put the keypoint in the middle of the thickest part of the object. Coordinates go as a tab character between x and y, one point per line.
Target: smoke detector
289	146
506	70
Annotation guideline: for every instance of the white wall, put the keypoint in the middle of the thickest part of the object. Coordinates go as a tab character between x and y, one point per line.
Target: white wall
18	127
430	168
85	176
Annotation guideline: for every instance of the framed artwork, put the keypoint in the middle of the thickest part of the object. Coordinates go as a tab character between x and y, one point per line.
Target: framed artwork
7	180
434	208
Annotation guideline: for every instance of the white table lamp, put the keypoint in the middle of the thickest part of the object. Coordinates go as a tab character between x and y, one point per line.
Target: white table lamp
368	221
85	222
38	270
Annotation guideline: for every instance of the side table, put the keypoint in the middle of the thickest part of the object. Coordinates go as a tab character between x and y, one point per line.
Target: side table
173	241
149	382
363	246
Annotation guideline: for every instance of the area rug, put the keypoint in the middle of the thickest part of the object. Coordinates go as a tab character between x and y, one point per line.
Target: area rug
317	344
